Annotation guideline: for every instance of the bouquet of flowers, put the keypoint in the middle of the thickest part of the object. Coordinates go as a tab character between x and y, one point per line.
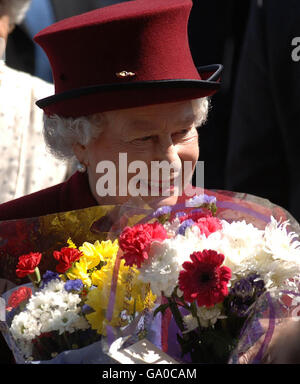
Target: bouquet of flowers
194	279
68	309
212	275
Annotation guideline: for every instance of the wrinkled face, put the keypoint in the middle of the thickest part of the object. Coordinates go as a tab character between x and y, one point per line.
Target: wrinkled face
154	143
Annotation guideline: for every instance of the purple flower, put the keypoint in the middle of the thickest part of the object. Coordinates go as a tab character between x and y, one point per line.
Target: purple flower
48	276
244	293
199	200
165	210
86	309
210	199
73	285
243	288
184	225
180	214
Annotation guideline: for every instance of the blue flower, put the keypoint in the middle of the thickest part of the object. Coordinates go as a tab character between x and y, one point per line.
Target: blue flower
86	309
48	276
184	225
199	200
180	214
73	285
165	210
210	199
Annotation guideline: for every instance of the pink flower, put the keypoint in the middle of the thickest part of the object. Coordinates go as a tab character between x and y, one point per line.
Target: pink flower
135	241
208	225
196	215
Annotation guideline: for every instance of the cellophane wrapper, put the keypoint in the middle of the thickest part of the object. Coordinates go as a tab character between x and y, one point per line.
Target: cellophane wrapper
48	233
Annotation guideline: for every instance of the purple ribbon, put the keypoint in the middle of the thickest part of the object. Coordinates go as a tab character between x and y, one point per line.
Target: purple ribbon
269	333
237	207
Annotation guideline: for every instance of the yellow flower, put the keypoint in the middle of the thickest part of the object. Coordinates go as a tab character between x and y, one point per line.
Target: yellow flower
90	254
79	270
97	252
131	295
107	249
70	243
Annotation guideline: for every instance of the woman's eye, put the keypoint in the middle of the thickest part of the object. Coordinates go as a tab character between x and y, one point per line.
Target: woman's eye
143	139
182	132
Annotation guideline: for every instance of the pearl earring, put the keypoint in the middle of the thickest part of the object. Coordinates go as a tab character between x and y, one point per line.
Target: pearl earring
81	168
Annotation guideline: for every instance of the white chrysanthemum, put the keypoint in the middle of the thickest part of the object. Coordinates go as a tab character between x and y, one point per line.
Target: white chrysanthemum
165	261
281	244
51	309
54	285
81	323
241	242
62	321
190	323
277	273
207	317
279	260
162	270
24	326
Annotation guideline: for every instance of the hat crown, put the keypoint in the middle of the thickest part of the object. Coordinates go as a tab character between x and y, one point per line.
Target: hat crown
135	41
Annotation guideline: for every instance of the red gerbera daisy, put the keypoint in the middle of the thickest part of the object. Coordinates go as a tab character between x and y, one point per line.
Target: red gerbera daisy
204	280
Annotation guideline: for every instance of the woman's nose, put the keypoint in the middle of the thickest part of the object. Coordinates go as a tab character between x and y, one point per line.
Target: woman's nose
167	151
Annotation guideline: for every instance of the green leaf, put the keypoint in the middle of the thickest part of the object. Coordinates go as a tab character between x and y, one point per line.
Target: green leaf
162	308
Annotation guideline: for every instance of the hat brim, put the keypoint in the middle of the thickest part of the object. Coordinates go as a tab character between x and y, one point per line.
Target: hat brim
100	98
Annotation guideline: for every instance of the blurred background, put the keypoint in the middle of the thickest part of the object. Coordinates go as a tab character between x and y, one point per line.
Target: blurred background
250	141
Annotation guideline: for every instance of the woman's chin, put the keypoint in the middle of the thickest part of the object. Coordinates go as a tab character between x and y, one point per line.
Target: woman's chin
156	202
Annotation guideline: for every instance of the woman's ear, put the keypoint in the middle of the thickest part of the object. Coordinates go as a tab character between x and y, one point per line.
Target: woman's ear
80	151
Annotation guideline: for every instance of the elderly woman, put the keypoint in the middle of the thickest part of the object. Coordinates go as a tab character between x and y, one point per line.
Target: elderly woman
23	153
125	88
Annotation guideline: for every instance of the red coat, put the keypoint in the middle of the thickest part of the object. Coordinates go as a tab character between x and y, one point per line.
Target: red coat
73	194
70	195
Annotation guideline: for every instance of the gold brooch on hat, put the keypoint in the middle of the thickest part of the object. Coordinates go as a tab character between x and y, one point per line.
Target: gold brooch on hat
124	74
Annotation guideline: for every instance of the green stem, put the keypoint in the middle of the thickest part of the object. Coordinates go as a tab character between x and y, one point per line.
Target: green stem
35	277
194	313
66	341
176	313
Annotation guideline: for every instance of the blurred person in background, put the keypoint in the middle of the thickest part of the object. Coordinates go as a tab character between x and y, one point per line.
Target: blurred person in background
263	153
25	166
22	52
226	22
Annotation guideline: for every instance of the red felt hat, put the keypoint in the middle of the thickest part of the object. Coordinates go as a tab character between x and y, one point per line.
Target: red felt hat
127	55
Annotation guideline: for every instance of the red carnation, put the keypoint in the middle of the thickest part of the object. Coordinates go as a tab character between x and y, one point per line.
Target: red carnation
28	263
18	296
66	257
204	280
208	225
135	241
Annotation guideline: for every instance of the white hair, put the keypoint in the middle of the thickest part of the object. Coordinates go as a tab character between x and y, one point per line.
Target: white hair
61	133
15	9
